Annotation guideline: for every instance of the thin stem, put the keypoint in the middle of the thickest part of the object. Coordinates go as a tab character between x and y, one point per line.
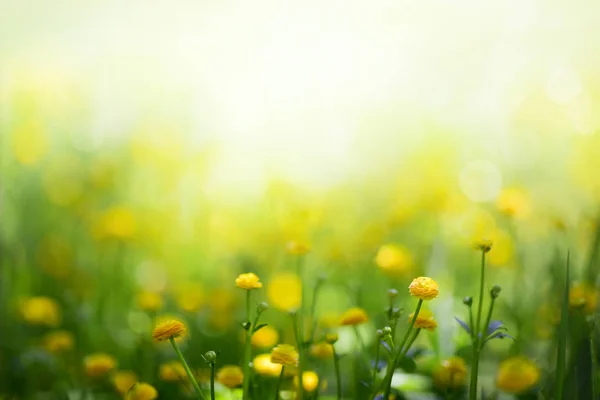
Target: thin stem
487	323
363	350
338	379
472	326
247	349
477	338
313	308
410	342
278	387
212	381
187	369
376	367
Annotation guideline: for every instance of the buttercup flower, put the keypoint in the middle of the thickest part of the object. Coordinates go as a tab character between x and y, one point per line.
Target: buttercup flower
322	350
124	380
99	364
424	288
354	316
149	301
297	248
171	328
484	245
248	281
310	381
424	320
189	297
142	391
58	341
265	337
513	202
263	365
41	311
394	259
172	371
230	376
451	373
284	291
583	296
517	375
284	354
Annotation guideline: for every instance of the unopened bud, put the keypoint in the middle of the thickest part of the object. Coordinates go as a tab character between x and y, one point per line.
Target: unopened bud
263	306
387	330
392	293
468	301
210	357
495	292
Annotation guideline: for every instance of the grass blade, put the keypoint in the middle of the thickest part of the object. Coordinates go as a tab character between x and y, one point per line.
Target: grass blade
562	338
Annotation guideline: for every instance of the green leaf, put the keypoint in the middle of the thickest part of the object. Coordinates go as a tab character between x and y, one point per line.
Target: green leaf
562	338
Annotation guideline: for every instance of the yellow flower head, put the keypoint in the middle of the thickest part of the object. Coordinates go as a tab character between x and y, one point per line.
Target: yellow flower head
172	371
168	329
248	281
451	373
189	297
424	320
99	364
149	301
424	288
310	381
263	365
394	259
124	380
584	296
482	244
297	248
517	375
284	291
322	350
118	223
513	202
265	337
40	311
230	376
284	354
331	338
354	316
58	341
142	391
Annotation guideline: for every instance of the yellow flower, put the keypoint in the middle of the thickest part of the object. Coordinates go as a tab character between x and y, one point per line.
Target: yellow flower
99	364
513	202
265	337
517	375
322	350
584	296
451	373
310	381
118	223
230	376
424	320
331	338
248	281
394	259
297	248
58	341
172	371
190	297
263	365
149	301
142	391
41	311
424	288
504	249
354	316
482	244
284	291
284	354
171	328
124	380
29	141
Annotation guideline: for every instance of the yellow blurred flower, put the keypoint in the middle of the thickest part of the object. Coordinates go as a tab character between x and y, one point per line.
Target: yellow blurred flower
584	296
483	244
168	329
284	354
58	341
310	381
548	316
124	380
394	259
172	371
41	311
149	301
354	316
331	338
56	256
284	291
29	142
329	320
265	337
230	376
248	281
297	248
142	391
322	350
99	364
424	288
451	373
424	320
517	375
503	251
117	223
263	365
513	202
189	297
63	180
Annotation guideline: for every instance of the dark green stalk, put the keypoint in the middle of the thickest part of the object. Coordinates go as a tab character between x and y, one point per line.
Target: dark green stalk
594	360
377	350
477	332
410	342
278	387
187	369
472	326
562	338
338	379
212	381
247	349
487	323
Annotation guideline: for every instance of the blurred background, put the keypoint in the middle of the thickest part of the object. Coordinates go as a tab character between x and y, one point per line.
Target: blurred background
152	151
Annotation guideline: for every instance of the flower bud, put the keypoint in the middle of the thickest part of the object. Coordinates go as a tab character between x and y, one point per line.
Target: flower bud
392	293
387	330
379	333
495	292
210	357
246	325
468	301
331	338
263	306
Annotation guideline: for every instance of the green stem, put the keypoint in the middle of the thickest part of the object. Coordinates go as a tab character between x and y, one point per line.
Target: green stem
410	342
363	350
392	365
313	308
487	323
477	338
247	349
594	360
338	379
278	387
212	381
375	368
472	326
187	369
